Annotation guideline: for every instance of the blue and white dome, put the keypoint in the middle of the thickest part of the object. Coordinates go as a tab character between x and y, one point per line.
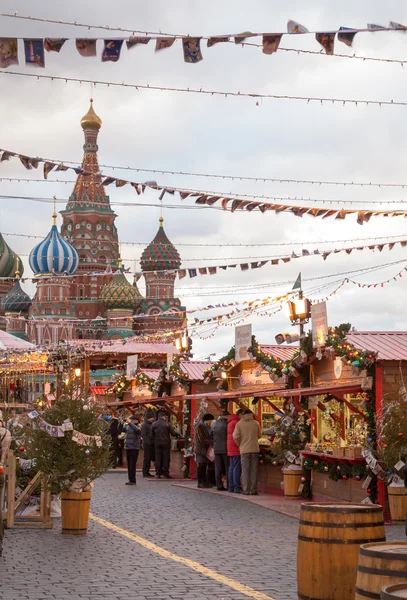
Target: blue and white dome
53	255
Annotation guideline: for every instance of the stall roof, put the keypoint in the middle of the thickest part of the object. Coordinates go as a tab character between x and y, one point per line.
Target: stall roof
8	341
281	352
129	347
195	369
390	345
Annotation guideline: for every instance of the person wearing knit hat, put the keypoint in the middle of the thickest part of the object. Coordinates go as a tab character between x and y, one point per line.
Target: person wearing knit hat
202	443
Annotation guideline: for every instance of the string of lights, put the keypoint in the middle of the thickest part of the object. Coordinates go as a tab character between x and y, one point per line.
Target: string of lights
392	27
277	257
231	245
225	94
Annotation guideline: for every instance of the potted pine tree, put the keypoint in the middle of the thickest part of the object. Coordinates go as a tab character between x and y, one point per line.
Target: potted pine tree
73	453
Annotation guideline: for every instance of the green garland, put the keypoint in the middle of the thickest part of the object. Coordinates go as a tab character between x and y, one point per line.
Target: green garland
123	384
334	471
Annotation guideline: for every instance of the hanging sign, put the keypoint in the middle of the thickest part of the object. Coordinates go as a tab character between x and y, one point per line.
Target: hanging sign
243	340
319	320
131	367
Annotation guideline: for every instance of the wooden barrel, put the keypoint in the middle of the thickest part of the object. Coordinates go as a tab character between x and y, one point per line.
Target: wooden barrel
397	503
394	591
328	547
380	564
292	482
75	507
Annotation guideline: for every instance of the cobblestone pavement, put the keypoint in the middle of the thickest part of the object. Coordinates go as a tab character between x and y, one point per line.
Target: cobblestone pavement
247	543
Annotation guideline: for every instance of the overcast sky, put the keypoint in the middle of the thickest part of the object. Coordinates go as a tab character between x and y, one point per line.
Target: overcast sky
205	134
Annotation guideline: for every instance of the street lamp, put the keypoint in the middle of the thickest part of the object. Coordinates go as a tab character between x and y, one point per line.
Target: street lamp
299	312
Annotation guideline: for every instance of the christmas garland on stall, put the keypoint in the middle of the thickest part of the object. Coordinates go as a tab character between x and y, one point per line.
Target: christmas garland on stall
123	384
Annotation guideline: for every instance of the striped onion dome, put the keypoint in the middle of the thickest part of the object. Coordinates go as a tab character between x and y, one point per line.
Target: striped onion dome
53	255
119	293
160	254
16	300
8	260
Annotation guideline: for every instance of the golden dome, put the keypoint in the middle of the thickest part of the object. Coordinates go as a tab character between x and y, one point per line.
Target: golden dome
91	120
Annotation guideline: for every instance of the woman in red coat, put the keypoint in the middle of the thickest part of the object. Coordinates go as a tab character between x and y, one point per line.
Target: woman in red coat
235	467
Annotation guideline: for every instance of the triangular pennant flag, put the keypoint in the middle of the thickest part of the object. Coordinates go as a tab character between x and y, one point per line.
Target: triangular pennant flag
244	266
203	271
108	181
192	50
297	284
294	27
192	272
398	26
374	27
217	40
327	41
225	203
182	273
48	166
163	43
136	187
54	44
271	43
346	35
25	160
239	39
6	156
212	270
184	195
135	41
111	51
62	167
120	182
86	47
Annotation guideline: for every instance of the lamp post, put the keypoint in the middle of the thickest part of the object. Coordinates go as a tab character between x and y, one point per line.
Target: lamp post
300	312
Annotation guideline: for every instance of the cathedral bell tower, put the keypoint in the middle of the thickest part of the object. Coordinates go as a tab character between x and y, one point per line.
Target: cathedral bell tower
88	224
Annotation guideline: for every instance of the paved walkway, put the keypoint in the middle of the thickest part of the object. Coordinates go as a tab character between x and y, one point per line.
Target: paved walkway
157	541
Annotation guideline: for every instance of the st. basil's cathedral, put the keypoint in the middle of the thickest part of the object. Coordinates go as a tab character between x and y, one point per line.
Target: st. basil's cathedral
82	291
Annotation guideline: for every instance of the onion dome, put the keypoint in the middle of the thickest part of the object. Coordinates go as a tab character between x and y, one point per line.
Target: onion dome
54	255
91	119
8	260
16	300
119	294
160	254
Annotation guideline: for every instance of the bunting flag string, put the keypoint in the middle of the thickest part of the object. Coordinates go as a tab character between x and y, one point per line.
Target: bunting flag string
204	198
231	245
191	45
59	431
259	263
224	94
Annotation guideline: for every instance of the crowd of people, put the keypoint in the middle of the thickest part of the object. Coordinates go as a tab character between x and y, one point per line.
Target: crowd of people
231	443
154	435
226	449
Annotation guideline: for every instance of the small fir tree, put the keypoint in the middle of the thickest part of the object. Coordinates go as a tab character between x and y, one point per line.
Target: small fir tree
67	463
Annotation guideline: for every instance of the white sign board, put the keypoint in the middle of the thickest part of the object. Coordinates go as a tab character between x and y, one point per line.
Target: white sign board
319	320
243	340
131	367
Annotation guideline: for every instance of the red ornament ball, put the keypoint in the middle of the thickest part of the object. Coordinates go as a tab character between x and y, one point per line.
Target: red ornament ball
400	434
261	462
344	477
303	479
368	491
21	448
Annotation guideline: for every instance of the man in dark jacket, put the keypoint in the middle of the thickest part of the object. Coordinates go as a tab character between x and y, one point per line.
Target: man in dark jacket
202	442
132	446
162	432
220	435
148	442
